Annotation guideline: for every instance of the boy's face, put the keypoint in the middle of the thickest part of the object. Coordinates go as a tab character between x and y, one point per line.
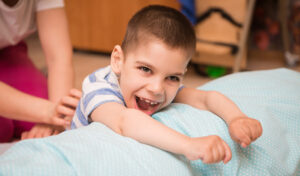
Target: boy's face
150	75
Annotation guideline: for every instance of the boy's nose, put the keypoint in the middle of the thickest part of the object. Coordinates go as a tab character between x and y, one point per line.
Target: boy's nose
156	87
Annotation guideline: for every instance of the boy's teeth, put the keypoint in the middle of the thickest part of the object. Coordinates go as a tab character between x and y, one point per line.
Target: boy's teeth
148	101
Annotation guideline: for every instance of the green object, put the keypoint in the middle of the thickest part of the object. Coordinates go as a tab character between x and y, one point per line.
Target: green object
215	72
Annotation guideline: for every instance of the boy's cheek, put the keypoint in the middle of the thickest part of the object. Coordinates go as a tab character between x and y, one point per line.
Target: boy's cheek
171	97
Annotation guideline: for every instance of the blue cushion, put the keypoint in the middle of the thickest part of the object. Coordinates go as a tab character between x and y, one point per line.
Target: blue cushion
272	97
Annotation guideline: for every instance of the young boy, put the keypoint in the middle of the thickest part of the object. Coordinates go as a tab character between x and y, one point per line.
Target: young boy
144	76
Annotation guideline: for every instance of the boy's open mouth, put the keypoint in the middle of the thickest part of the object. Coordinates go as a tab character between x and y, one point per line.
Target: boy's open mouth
147	106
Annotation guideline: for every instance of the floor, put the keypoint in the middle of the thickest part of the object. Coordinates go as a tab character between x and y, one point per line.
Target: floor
87	62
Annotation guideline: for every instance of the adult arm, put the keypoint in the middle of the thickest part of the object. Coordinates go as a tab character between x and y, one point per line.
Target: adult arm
17	105
54	37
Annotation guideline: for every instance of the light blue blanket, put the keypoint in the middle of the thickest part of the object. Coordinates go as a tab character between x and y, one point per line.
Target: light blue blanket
272	97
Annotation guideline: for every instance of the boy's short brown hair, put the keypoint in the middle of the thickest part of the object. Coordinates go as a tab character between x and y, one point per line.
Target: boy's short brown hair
163	23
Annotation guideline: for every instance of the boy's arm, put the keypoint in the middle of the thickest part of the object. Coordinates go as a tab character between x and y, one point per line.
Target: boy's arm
141	127
242	129
211	101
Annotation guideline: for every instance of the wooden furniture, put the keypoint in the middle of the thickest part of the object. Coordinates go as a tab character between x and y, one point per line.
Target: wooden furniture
237	61
99	25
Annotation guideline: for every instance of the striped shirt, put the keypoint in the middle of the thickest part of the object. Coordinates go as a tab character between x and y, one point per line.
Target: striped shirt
98	88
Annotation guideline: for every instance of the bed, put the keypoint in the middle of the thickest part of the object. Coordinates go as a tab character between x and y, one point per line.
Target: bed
271	96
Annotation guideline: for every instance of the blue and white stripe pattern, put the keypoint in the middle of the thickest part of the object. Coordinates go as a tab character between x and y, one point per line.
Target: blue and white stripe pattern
98	88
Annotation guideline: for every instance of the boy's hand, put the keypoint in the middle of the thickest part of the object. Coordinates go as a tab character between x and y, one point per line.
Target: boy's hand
210	149
245	130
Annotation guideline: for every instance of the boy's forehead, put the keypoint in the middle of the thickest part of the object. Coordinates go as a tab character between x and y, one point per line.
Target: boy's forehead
157	54
152	45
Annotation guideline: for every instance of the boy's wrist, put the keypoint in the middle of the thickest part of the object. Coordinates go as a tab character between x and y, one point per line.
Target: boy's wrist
185	146
230	120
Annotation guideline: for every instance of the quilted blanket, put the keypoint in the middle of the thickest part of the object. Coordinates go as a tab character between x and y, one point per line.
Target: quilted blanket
272	97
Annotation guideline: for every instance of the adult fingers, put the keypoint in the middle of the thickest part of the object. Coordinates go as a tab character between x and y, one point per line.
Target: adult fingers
30	134
66	111
46	132
68	118
75	93
61	121
24	135
55	132
69	101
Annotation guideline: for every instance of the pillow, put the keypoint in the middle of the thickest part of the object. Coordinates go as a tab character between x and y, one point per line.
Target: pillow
272	97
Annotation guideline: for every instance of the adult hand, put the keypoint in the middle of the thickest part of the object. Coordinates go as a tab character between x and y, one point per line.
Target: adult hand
66	108
41	130
63	114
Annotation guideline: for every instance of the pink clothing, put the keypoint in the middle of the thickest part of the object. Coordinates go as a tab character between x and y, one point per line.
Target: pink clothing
18	71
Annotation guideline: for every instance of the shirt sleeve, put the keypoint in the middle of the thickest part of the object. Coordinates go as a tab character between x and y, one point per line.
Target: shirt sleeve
96	93
48	4
180	88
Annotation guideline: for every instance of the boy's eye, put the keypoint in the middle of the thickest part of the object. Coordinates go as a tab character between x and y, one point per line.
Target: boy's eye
174	78
145	69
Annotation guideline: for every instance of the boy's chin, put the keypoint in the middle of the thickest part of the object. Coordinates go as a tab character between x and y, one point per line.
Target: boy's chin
149	112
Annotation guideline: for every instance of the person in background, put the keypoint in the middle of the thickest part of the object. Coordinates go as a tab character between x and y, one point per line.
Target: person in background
18	20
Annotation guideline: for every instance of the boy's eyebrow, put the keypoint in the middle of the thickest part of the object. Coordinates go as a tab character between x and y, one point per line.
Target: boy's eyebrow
144	63
151	67
178	74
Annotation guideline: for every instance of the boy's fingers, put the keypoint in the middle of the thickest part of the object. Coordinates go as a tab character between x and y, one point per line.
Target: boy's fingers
246	136
245	142
220	152
258	131
244	145
228	153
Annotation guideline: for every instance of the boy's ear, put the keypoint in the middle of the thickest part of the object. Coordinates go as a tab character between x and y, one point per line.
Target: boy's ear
117	59
185	70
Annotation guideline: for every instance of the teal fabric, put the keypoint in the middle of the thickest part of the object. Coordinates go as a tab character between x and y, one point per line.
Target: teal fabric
272	97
